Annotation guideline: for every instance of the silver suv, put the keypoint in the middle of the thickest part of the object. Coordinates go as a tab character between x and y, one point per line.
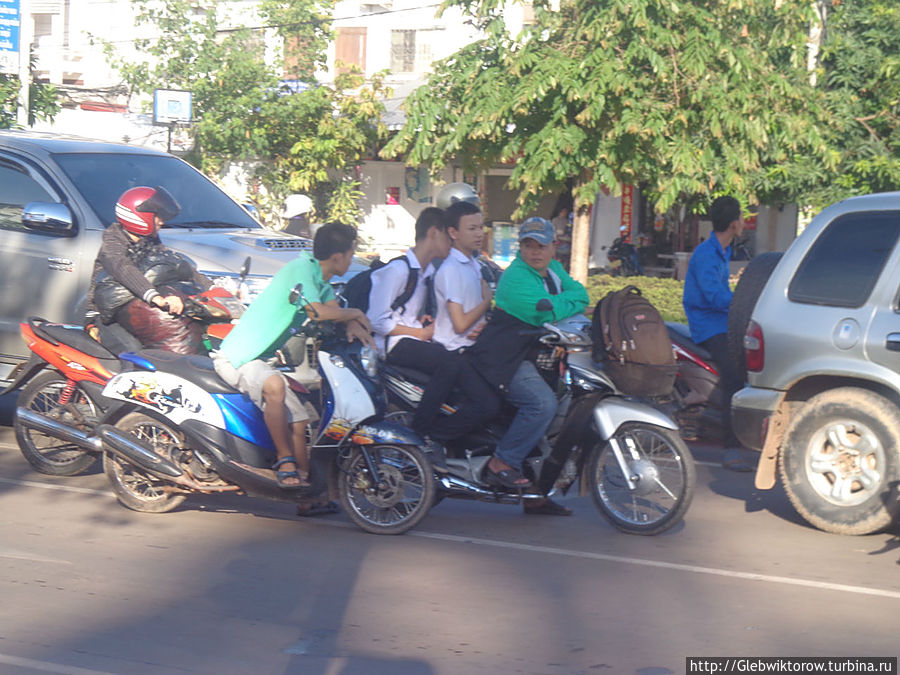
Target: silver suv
58	195
823	366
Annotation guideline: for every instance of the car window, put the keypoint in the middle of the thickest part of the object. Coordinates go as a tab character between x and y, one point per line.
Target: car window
102	177
17	188
841	267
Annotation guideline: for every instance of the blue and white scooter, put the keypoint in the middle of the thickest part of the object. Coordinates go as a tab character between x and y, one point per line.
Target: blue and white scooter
175	428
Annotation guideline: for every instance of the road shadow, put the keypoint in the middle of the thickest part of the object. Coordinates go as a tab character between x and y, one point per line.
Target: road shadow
740	486
282	597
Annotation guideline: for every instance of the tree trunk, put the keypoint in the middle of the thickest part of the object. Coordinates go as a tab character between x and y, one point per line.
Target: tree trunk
581	240
816	35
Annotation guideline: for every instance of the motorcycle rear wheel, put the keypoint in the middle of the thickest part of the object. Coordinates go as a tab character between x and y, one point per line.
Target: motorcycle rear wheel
398	500
45	453
133	488
665	485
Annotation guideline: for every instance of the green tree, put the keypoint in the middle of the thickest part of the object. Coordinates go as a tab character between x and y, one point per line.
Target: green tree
43	103
859	74
684	98
306	139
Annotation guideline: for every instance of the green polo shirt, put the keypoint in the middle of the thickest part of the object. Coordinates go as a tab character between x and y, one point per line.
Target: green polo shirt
267	323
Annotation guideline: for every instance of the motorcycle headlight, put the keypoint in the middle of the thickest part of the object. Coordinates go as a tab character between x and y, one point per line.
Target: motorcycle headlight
368	357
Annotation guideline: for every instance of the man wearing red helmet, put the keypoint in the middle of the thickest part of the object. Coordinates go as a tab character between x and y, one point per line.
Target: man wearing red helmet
140	212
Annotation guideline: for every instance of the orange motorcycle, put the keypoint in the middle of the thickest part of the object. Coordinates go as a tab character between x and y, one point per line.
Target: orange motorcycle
63	380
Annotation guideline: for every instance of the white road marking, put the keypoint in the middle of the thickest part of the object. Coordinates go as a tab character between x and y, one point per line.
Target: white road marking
586	555
47	667
715	571
9	446
24	555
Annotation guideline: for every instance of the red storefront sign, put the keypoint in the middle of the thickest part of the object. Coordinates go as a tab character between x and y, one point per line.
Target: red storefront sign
627	210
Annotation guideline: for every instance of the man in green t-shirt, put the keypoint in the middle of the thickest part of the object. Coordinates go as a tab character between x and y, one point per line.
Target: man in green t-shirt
242	360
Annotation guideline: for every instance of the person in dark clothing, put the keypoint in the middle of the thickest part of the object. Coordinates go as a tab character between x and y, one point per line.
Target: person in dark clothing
119	277
707	297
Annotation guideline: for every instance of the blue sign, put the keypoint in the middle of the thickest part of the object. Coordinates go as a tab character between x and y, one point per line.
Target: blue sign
10	18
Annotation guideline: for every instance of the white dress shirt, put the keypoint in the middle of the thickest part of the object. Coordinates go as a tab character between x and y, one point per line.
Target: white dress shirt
388	283
458	280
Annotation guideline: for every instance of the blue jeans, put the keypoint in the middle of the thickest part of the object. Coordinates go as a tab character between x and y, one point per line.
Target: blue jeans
536	405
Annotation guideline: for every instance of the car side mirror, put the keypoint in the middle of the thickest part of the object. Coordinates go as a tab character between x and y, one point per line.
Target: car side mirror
49	217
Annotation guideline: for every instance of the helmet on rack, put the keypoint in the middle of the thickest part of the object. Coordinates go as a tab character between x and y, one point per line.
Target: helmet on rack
136	207
457	192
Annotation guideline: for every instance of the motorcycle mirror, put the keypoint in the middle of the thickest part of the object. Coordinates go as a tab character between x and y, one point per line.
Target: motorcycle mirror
297	294
544	305
245	268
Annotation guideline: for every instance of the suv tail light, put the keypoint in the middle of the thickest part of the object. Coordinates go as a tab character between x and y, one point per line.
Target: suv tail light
755	347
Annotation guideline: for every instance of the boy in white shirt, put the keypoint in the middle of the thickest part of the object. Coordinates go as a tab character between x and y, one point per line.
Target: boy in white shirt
404	335
462	295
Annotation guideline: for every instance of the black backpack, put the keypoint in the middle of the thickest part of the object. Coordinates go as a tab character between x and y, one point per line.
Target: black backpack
632	339
356	292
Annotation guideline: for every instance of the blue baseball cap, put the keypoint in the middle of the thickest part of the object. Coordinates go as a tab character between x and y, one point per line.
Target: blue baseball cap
539	229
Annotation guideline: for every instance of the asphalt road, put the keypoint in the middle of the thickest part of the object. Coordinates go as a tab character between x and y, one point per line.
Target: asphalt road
237	585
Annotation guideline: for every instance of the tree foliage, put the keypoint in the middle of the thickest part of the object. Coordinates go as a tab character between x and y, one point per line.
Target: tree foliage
43	101
308	136
685	98
857	78
682	97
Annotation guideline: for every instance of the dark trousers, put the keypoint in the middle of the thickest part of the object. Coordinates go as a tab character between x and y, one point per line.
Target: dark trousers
729	382
480	401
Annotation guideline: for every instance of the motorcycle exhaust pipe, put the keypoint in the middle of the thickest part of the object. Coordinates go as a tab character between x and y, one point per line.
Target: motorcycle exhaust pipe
465	488
132	450
64	432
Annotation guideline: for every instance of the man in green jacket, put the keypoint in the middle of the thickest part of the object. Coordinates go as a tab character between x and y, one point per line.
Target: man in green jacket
504	356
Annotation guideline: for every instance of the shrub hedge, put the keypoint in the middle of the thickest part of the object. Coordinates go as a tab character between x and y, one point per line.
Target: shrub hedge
665	294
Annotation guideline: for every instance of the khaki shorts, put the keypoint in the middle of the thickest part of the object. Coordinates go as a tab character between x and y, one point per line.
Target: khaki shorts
249	379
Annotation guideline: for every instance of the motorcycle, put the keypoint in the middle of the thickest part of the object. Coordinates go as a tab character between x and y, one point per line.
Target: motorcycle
623	259
64	378
627	455
171	427
697	399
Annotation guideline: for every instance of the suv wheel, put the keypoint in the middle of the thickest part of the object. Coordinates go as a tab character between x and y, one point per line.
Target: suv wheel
839	461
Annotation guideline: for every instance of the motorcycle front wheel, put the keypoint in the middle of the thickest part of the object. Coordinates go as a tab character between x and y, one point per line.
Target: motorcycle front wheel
397	498
134	488
45	453
665	478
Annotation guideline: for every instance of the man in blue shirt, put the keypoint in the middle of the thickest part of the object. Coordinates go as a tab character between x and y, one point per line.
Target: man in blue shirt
707	297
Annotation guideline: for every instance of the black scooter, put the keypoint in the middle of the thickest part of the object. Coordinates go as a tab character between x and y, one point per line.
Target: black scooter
697	399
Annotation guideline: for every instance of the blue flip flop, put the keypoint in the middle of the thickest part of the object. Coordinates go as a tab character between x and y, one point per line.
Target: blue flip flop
280	476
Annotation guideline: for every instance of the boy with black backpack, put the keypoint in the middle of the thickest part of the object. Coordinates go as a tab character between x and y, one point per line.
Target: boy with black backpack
404	332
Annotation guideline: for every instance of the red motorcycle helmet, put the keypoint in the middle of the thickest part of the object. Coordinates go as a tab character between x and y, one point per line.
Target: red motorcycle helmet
136	207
